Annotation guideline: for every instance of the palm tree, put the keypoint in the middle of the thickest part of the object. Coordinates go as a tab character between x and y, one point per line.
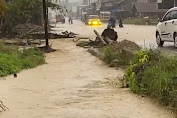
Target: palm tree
3	7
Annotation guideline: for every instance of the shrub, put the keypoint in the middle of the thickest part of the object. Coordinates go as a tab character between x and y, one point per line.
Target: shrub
13	61
152	76
31	58
109	54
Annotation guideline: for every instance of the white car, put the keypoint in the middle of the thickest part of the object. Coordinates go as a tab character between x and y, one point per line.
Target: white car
167	28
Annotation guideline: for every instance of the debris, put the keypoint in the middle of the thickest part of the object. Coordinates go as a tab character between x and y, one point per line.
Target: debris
41	35
67	34
22	42
77	38
27	28
95	52
15	75
110	33
108	40
100	38
3	107
89	44
33	41
15	42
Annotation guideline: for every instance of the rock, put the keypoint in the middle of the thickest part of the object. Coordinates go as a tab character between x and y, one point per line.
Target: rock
15	75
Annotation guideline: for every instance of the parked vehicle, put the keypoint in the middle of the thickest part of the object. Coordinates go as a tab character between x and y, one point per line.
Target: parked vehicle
60	18
167	28
93	20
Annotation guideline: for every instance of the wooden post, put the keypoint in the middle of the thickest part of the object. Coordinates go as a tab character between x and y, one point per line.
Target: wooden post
45	10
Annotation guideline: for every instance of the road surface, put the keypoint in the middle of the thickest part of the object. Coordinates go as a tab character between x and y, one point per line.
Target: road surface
73	84
142	35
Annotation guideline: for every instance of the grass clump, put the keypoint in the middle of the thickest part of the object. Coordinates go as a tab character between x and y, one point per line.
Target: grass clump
115	58
109	54
13	61
32	58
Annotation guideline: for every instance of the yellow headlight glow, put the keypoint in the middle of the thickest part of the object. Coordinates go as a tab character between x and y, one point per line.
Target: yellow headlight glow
95	22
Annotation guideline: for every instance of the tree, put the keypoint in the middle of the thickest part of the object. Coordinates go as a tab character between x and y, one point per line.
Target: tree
23	11
3	7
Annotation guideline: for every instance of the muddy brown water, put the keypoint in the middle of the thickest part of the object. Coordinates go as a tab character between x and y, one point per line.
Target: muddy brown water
72	84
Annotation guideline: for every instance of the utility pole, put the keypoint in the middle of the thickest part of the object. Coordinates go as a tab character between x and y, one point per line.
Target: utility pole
45	13
174	3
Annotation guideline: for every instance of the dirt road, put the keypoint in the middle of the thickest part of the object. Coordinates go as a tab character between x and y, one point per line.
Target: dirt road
72	84
142	35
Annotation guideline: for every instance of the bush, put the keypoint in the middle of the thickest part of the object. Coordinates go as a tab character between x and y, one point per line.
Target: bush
115	58
31	58
152	76
13	61
109	54
148	73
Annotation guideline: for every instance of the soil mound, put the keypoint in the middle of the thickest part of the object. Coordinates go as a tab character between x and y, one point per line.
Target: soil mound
125	44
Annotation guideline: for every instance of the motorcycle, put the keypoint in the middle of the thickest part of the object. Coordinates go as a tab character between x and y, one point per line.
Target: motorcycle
111	25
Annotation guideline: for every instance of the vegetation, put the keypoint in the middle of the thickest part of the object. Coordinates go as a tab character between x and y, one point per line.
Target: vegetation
3	8
110	56
154	76
140	21
24	11
13	61
148	73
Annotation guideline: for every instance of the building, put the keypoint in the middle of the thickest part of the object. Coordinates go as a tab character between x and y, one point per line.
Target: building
148	8
166	4
118	8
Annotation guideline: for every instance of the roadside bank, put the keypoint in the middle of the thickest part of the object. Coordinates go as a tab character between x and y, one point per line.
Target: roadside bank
147	72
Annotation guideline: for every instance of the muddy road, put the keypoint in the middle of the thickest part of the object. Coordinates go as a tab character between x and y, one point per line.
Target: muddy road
73	84
142	35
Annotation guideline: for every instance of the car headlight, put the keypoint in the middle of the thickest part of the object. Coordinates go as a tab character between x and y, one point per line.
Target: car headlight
89	22
95	22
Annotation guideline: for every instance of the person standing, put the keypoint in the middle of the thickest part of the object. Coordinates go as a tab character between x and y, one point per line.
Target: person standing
120	23
70	20
112	23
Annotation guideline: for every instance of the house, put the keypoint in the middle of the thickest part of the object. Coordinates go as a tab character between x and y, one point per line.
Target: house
118	8
147	10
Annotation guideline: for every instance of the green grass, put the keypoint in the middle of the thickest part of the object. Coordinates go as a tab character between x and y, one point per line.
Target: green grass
148	73
156	80
140	21
114	58
109	54
13	61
